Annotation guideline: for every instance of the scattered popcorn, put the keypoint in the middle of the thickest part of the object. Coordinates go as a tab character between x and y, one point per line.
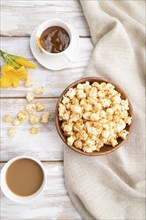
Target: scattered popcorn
45	117
6	118
11	132
93	115
33	119
16	122
21	115
39	90
30	108
28	82
40	106
29	97
34	130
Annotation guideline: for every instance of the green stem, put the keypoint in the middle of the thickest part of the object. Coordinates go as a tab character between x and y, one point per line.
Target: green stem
10	59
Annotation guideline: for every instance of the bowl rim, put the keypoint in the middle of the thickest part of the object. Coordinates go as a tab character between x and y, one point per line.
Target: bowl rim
57	122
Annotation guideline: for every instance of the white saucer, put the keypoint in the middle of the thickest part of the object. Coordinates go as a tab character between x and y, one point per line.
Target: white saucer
57	63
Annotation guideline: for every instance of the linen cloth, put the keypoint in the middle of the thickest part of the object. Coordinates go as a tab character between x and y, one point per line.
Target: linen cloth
113	186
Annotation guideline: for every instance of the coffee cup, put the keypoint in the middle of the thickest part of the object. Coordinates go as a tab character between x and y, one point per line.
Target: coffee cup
9	177
67	53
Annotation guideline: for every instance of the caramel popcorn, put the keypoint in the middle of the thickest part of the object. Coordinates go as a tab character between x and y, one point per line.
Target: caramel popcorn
16	122
40	106
34	130
22	115
30	108
29	97
6	118
33	119
45	117
28	82
93	115
11	132
39	90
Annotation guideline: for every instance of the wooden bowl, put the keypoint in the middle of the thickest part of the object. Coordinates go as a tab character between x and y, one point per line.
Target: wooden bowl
106	148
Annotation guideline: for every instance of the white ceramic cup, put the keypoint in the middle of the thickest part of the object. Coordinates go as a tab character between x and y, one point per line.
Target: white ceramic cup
67	53
16	198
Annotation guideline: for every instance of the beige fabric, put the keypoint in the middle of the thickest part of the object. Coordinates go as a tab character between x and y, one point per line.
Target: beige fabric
112	187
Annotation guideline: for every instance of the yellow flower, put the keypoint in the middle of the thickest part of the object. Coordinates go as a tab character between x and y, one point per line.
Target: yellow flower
11	76
24	62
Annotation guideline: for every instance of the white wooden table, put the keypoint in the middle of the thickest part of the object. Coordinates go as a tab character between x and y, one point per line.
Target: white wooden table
19	18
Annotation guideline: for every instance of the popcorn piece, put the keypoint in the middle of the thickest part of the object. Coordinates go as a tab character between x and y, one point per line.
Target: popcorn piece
76	109
16	122
105	134
87	87
29	97
39	90
114	142
71	93
68	127
117	99
81	94
30	108
120	126
33	119
87	107
110	111
92	130
86	115
22	115
6	118
103	114
40	106
45	117
123	134
75	101
106	103
70	140
98	106
74	117
28	82
109	87
34	130
93	92
83	102
65	100
95	84
11	132
78	144
61	109
65	117
94	117
80	86
128	120
83	135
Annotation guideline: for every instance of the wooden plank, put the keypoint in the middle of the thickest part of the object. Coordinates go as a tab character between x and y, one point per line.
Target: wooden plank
54	81
47	145
21	17
53	204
